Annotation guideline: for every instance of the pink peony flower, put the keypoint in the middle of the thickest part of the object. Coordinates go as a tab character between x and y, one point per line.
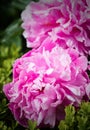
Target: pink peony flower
67	20
44	82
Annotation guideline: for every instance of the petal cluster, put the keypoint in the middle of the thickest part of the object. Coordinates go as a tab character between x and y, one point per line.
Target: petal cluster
54	73
65	20
44	82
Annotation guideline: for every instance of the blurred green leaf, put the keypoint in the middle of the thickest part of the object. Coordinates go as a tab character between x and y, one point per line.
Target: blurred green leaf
12	34
20	4
68	123
32	125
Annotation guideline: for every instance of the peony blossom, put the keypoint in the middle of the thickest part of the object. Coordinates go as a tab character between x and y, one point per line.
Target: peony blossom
44	82
67	20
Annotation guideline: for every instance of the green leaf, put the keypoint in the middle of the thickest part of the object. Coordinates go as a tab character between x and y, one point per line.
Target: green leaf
83	116
63	126
12	34
68	123
20	4
32	125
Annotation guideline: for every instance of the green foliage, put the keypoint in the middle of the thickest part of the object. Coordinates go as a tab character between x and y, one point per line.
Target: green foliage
10	49
32	125
83	117
7	57
12	34
76	119
68	123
